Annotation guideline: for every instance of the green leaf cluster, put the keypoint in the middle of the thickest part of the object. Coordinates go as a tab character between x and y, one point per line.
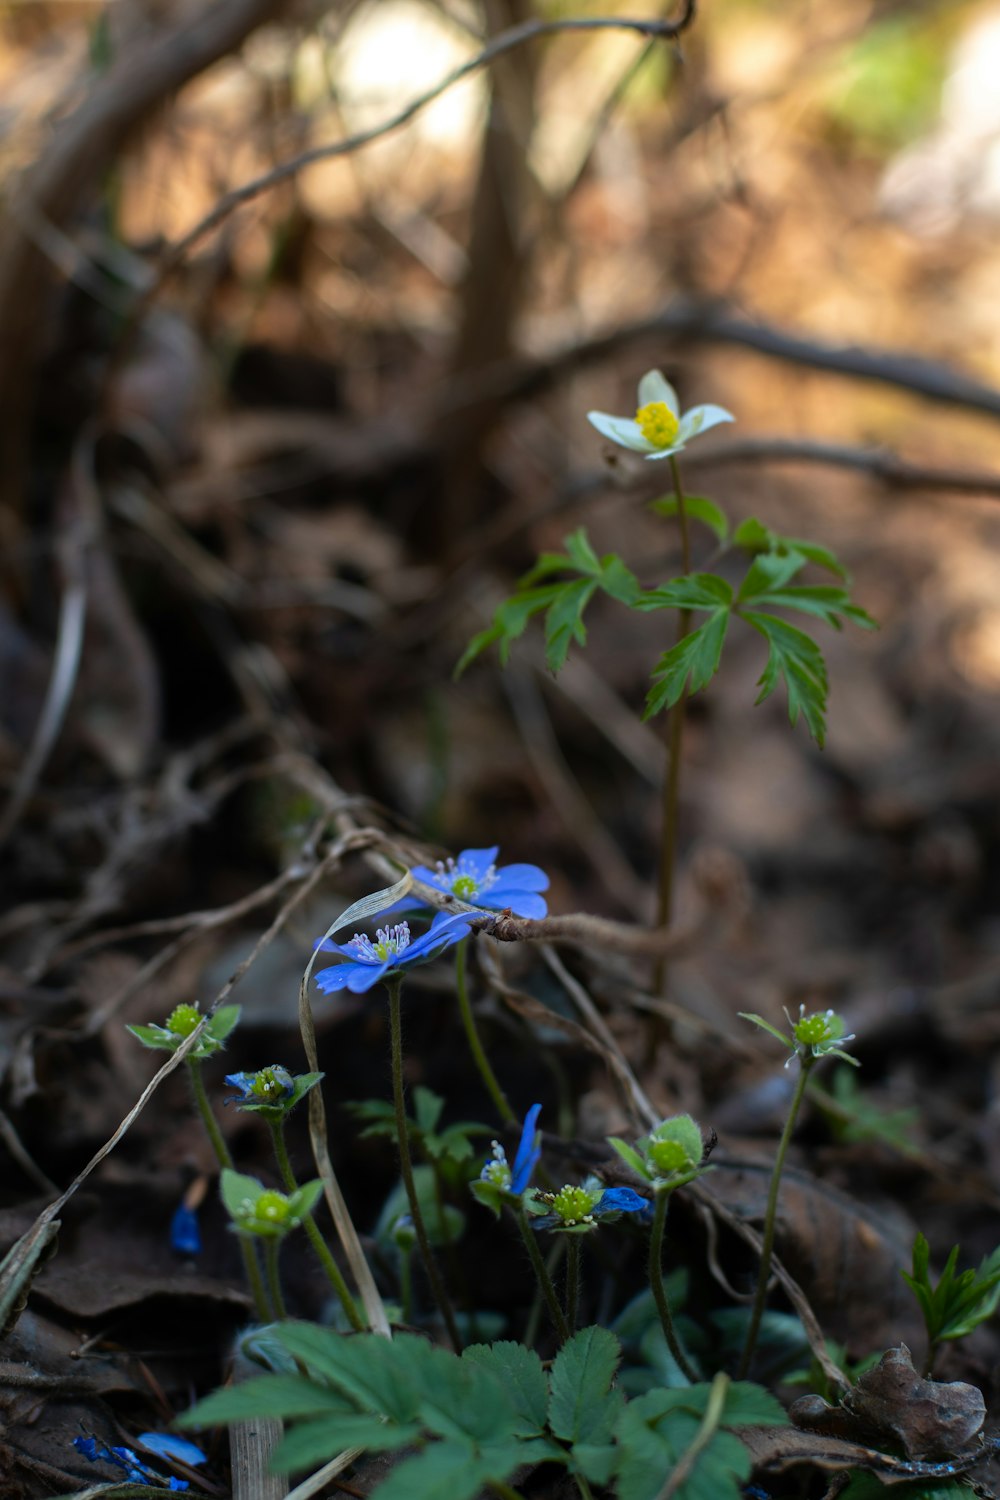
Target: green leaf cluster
854	1118
563	603
958	1303
212	1039
449	1148
477	1417
775	562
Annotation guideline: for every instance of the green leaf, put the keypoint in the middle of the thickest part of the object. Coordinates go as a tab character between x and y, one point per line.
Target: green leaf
564	621
580	1382
692	662
157	1037
509	622
794	657
655	1432
378	1376
305	1198
629	1155
750	1405
769	571
698	508
444	1471
464	1399
236	1188
427	1107
266	1396
746	1015
693	591
303	1084
312	1443
521	1373
753	536
224	1021
581	553
823	601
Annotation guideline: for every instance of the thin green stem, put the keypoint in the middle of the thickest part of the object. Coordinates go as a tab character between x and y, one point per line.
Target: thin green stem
479	1057
771	1215
406	1285
585	1491
505	1491
271	1249
251	1264
320	1247
544	1279
573	1255
682	1470
659	1290
406	1166
675	745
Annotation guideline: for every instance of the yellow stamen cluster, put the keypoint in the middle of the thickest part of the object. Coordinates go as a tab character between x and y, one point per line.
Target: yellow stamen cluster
657	424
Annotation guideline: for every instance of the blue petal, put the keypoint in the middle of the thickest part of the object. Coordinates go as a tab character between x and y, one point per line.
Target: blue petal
477	861
621	1200
185	1236
443	931
528	1153
240	1081
178	1484
521	903
354	976
167	1445
522	878
87	1446
427	876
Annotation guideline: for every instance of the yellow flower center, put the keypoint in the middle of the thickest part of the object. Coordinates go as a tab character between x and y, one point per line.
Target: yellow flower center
657	423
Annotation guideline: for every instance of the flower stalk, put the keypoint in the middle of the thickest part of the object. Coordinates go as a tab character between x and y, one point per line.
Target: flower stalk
659	1289
474	1040
320	1247
393	985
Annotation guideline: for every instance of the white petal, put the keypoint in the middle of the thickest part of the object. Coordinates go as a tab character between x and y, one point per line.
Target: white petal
620	430
666	452
700	418
655	387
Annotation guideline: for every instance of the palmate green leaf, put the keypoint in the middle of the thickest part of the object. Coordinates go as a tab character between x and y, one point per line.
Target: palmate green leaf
795	658
698	508
693	663
377	1376
509	622
564	621
692	591
769	571
466	1400
580	1383
655	1431
522	1375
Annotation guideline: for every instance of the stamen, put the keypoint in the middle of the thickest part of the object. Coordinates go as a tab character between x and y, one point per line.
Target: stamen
657	423
389	941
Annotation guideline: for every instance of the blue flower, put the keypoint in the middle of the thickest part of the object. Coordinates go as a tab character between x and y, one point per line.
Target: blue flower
475	879
393	949
498	1172
576	1210
185	1236
621	1200
135	1470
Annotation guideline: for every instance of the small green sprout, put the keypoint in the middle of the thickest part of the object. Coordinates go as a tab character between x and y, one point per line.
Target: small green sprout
256	1210
958	1303
181	1022
816	1034
667	1158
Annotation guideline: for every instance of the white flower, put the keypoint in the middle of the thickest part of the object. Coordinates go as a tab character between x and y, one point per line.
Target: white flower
659	427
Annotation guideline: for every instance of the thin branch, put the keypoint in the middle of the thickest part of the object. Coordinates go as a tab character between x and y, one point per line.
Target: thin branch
507	41
892	471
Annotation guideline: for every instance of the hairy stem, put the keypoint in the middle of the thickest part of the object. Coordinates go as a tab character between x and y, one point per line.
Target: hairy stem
248	1250
479	1057
675	745
320	1247
271	1249
659	1290
394	986
771	1215
544	1279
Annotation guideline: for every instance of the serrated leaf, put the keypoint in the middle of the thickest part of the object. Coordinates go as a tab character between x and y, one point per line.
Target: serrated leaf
427	1107
564	621
698	508
266	1396
580	1381
595	1461
693	591
769	571
692	663
655	1433
752	535
580	552
617	580
521	1373
824	601
794	657
750	1405
378	1376
465	1400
